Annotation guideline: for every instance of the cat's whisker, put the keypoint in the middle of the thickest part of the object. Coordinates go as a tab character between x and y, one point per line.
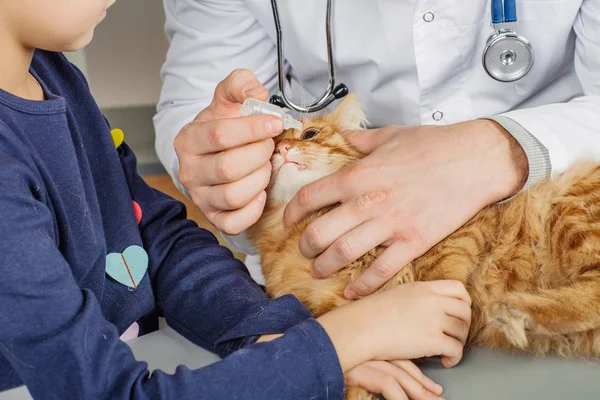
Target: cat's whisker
318	94
301	82
330	156
350	159
307	151
339	160
329	164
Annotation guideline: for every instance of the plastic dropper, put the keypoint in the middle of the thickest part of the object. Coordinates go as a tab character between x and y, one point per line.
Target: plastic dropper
255	107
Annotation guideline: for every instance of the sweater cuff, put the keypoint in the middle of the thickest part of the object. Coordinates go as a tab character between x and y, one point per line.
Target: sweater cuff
328	363
537	154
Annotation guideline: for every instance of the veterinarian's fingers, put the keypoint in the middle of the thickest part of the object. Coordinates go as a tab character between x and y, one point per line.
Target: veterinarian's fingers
235	222
323	231
234	164
347	248
456	329
201	138
367	140
411	386
235	195
451	288
419	376
385	267
312	197
376	381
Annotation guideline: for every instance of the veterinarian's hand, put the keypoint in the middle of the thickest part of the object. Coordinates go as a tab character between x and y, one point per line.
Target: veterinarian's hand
395	380
414	320
417	186
224	159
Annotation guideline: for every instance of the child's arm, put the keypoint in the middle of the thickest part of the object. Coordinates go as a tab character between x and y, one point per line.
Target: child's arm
56	338
206	294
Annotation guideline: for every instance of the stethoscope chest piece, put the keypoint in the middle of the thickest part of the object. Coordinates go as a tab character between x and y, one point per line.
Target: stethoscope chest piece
507	56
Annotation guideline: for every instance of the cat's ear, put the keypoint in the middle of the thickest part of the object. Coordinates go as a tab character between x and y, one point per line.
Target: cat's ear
349	114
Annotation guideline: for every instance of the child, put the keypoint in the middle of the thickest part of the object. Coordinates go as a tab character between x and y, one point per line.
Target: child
88	251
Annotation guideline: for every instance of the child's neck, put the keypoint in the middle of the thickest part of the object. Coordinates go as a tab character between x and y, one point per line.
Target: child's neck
14	69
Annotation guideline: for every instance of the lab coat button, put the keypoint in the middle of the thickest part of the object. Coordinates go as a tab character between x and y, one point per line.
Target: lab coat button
428	16
438	115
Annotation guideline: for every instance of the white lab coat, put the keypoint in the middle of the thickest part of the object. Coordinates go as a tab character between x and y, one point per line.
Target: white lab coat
406	67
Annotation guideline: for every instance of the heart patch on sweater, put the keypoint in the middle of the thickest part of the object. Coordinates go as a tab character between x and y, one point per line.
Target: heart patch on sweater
129	267
137	211
117	136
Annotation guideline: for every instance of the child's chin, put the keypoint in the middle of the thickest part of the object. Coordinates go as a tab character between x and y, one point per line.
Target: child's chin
78	42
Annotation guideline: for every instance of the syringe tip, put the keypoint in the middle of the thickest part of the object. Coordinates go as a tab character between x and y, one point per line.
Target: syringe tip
254	107
291	123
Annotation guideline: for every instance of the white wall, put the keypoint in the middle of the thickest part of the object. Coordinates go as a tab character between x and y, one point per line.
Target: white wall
124	59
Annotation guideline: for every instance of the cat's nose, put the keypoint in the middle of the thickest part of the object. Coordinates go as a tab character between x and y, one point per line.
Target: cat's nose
282	148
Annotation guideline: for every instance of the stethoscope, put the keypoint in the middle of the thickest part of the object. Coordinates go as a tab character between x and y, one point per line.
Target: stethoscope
332	93
507	56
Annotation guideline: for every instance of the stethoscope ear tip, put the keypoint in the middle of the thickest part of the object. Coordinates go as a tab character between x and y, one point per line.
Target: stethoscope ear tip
340	91
278	101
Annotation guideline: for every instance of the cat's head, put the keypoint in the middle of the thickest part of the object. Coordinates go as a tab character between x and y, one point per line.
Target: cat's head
301	157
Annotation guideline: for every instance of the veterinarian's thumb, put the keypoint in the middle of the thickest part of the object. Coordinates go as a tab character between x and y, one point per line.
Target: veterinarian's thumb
231	93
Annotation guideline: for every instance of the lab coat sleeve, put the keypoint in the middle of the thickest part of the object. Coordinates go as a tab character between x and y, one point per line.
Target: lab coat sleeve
571	131
55	337
208	39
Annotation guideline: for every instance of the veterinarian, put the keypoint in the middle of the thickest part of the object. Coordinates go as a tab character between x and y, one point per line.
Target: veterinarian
452	138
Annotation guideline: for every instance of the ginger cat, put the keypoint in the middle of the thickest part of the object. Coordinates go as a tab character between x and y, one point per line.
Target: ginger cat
531	265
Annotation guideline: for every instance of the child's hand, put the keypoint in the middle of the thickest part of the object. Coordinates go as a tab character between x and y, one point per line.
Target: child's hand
424	319
414	320
395	380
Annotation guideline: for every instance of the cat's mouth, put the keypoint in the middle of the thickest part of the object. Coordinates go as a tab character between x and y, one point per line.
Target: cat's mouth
298	165
288	162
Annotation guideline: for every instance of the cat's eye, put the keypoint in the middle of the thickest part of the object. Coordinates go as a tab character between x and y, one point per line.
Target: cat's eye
309	133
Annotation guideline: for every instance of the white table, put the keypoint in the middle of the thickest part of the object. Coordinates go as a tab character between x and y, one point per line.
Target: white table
482	375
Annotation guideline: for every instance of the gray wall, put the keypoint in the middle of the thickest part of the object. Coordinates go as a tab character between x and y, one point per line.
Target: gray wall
126	55
136	123
122	65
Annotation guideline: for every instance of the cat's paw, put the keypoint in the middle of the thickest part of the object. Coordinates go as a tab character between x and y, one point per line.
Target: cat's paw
511	321
358	393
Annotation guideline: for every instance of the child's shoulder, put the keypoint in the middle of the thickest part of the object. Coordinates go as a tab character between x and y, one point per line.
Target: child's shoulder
7	135
24	124
15	159
61	79
11	141
23	119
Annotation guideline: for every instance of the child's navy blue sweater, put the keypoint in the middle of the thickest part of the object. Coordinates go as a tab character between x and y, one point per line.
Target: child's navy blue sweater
65	203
